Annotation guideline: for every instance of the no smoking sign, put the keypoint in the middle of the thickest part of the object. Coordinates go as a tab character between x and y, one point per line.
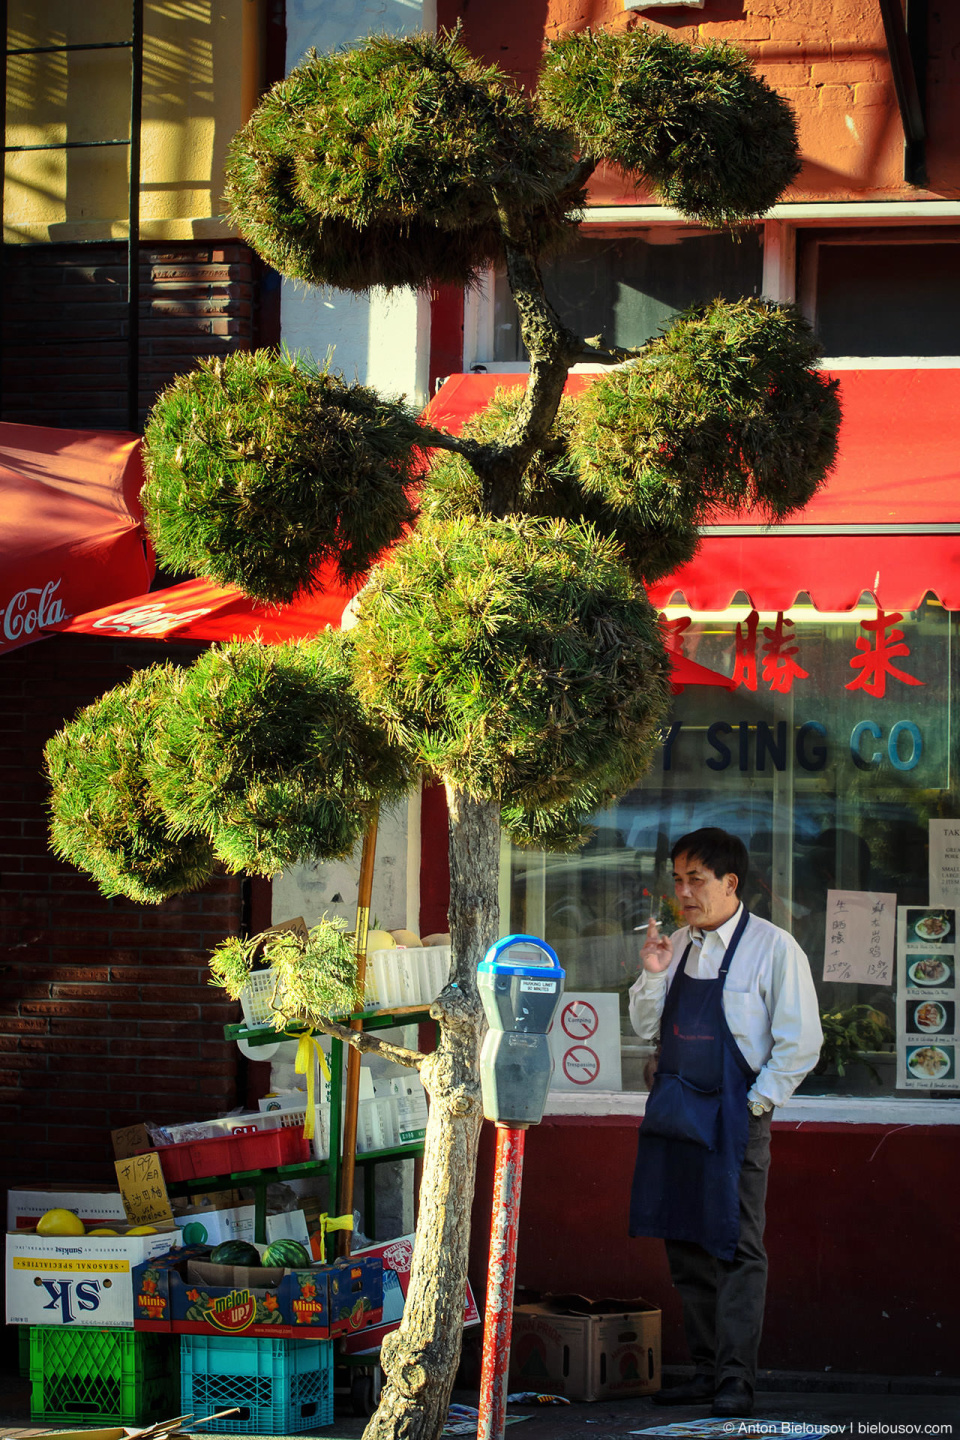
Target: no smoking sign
585	1043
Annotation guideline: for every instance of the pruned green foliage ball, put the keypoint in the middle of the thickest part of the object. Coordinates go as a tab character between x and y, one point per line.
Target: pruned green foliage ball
712	137
654	540
261	467
385	164
516	658
564	829
725	409
270	754
313	979
104	818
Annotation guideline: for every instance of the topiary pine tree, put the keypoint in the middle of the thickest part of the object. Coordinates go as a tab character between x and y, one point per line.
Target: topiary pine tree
508	646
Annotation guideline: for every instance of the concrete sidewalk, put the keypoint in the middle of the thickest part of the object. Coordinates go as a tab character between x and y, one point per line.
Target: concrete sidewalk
854	1406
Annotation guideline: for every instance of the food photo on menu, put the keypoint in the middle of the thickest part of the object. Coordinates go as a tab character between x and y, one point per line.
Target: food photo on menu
931	1017
931	1062
928	999
931	926
931	970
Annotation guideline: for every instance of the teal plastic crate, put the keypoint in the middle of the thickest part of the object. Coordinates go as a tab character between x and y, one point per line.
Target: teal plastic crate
279	1386
115	1377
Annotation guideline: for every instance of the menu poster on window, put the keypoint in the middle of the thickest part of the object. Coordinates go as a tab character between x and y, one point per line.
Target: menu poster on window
858	937
927	998
945	862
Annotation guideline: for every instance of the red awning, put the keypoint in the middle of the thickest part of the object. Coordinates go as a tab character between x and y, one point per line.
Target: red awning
71	532
200	610
887	522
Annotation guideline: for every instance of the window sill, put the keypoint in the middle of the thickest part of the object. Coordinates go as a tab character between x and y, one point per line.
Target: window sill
829	1109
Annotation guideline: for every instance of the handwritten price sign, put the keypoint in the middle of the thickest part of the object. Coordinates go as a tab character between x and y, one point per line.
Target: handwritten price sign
859	937
143	1190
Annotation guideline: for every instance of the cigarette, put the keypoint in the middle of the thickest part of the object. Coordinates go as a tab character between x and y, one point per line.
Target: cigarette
646	923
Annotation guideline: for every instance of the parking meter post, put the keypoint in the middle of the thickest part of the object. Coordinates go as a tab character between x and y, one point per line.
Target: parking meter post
501	1277
520	983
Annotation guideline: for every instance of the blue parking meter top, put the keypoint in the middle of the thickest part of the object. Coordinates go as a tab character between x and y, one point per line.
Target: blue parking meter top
521	955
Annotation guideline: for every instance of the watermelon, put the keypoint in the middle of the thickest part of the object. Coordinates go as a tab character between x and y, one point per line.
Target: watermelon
287	1254
235	1252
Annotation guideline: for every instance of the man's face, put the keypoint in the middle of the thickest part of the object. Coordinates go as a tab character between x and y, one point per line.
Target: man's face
707	900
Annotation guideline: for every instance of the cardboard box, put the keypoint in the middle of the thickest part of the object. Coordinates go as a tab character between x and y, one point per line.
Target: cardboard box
586	1349
90	1203
214	1224
78	1279
395	1256
189	1296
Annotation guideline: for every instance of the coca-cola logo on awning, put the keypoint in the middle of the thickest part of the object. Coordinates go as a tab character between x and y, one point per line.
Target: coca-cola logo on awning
31	610
148	619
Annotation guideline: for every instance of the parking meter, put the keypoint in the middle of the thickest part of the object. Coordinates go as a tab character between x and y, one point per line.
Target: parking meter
520	983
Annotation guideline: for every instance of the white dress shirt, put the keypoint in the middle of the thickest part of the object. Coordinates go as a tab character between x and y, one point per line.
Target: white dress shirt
769	1000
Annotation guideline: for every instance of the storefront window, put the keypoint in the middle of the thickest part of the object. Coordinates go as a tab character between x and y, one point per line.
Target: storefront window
830	758
628	288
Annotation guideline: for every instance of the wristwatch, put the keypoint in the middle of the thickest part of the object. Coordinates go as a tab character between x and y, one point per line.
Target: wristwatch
759	1107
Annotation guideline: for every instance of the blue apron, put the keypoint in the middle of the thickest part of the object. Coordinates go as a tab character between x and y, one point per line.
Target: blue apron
692	1138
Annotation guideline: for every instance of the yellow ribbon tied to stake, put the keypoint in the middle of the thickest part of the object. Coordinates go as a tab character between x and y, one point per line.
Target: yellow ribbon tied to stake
309	1055
328	1223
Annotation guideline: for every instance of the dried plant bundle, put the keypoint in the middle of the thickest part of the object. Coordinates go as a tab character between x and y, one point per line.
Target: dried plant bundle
314	978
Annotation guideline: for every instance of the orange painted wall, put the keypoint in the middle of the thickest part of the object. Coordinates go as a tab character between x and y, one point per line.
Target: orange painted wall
827	57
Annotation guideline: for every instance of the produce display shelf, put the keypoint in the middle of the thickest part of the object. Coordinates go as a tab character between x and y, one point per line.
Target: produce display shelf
372	1020
368	1160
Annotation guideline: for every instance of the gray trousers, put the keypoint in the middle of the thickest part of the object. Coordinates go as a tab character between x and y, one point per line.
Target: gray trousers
723	1300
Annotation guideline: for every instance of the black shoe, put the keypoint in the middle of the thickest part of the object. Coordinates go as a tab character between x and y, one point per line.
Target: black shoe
733	1397
701	1387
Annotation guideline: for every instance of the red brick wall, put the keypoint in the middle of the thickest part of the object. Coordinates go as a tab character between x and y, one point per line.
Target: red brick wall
106	1016
65	323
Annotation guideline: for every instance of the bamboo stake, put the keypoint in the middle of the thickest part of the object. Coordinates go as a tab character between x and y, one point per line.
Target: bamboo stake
349	1142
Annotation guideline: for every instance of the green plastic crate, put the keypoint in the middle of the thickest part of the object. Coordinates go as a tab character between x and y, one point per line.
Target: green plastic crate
115	1377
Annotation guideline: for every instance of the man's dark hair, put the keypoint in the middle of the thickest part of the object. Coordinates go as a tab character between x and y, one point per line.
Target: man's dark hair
719	851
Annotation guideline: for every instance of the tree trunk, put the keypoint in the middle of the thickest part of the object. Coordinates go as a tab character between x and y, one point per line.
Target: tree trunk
420	1359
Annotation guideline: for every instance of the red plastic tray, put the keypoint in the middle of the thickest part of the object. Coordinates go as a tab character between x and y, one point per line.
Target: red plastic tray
197	1159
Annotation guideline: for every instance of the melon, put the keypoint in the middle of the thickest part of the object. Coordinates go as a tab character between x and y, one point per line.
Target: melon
437	939
60	1222
380	940
235	1252
287	1255
406	937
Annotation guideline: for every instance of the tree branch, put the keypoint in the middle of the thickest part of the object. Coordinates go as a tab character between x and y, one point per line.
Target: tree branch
596	351
368	1044
575	179
442	440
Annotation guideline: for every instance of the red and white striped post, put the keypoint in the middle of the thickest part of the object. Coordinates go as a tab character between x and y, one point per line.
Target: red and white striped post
501	1277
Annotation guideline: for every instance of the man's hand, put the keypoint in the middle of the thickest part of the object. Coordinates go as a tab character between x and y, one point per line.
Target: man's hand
657	951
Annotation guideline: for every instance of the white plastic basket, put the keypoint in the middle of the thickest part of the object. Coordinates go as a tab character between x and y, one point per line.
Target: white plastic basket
410	975
257	998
